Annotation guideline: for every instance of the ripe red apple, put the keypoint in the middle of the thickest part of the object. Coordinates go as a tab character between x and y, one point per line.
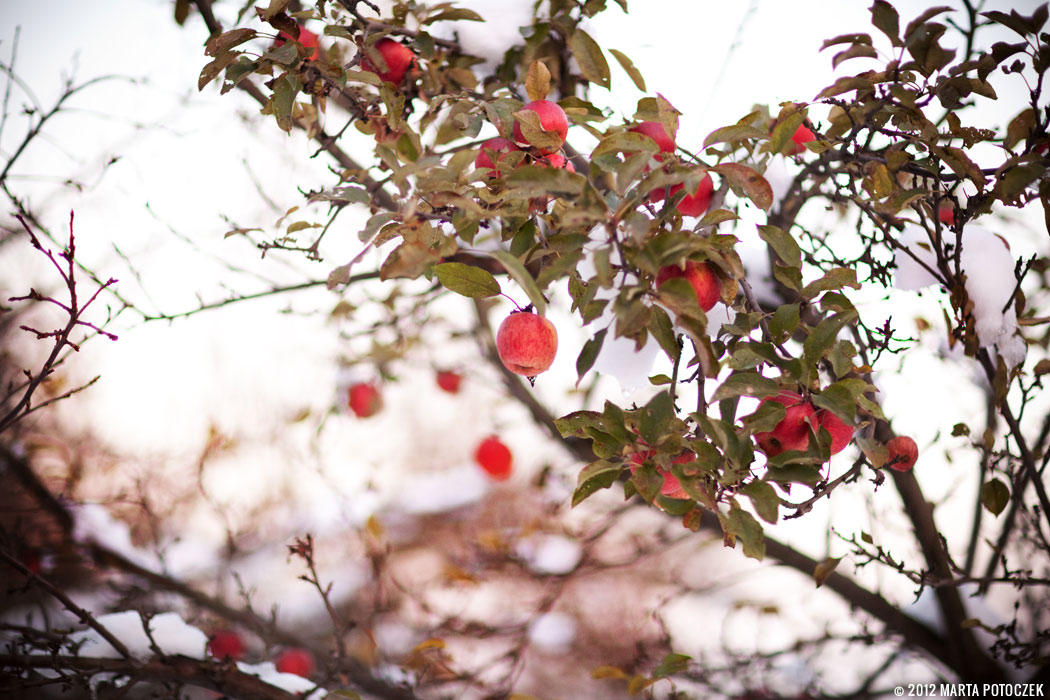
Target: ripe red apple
557	161
903	453
449	381
494	457
526	343
792	433
946	212
657	132
32	558
841	431
671	487
499	146
690	205
803	135
552	118
364	399
398	58
226	644
307	38
700	275
297	661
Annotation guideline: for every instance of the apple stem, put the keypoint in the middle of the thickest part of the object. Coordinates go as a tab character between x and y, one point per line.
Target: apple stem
517	308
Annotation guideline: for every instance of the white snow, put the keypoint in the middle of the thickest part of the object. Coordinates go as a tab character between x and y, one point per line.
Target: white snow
93	523
268	673
552	632
989	268
172	635
550	554
439	491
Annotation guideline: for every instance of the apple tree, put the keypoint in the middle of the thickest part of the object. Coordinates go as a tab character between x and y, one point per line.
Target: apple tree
479	179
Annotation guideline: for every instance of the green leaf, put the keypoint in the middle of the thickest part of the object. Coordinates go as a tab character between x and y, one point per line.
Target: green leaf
588	54
745	384
284	91
455	14
835	278
519	274
663	331
628	66
794	474
748	531
822	337
531	181
576	422
784	130
783	244
467	280
734	132
589	354
994	496
615	423
784	322
672	664
766	417
715	217
655	417
594	477
764	500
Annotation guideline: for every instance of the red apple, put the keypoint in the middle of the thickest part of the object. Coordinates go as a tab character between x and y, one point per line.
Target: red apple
226	644
841	431
498	146
671	487
307	38
903	453
494	457
690	205
32	558
802	135
557	161
526	343
792	433
700	275
657	132
364	399
449	381
297	661
946	212
398	58
552	118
